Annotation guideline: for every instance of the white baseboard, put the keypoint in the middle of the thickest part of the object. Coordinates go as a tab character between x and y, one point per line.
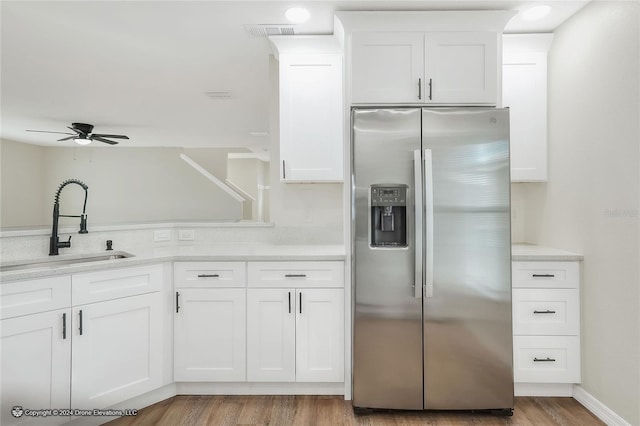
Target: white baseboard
543	389
136	403
601	411
257	388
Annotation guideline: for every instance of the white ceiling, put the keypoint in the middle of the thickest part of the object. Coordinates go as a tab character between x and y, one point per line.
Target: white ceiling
142	68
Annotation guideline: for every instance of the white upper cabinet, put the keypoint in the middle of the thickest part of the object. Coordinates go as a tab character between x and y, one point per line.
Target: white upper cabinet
387	67
311	116
524	91
432	67
423	58
461	68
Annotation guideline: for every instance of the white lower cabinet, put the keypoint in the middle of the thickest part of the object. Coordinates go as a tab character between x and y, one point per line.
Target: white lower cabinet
295	335
546	327
320	335
271	332
209	328
102	349
274	322
117	350
36	368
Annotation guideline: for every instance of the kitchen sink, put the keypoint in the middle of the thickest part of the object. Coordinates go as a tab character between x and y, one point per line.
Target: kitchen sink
57	261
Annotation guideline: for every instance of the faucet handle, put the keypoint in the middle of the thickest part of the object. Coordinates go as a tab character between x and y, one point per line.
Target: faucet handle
65	244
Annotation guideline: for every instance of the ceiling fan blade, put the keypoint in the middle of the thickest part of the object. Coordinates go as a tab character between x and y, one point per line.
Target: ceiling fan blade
68	138
46	131
79	132
100	135
97	138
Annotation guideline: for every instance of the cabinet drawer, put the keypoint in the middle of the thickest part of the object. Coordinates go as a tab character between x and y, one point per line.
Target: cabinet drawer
546	359
115	283
546	311
546	274
295	274
209	274
32	296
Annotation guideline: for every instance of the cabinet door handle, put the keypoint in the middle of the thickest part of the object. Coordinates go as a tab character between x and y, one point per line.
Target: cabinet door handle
544	312
419	89
543	275
64	326
295	275
430	89
547	359
289	302
177	302
284	173
300	302
80	318
208	275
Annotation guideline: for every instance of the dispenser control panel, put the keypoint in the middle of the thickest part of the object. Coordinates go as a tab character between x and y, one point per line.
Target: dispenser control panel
388	196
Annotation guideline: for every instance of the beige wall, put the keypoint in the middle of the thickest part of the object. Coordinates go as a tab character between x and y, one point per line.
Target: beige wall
22	193
125	185
591	203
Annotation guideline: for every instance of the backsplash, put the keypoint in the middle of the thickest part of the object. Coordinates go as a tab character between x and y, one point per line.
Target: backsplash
34	243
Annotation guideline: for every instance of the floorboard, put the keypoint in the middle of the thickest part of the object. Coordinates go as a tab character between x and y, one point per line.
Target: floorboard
196	410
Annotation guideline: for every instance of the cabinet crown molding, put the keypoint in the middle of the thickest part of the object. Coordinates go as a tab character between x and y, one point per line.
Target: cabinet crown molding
441	20
304	44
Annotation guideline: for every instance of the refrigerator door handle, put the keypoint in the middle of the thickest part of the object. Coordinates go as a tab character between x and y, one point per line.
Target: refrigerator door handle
417	191
428	202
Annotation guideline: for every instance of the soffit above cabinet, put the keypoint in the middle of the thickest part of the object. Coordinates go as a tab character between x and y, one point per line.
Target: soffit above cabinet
467	20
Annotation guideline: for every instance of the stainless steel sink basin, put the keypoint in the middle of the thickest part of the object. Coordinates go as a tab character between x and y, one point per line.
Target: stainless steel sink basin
65	260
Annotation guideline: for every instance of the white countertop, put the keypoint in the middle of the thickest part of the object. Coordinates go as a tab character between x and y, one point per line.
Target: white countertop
246	252
186	253
532	252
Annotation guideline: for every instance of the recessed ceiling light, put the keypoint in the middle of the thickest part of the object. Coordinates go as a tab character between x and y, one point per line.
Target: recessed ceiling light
536	12
297	15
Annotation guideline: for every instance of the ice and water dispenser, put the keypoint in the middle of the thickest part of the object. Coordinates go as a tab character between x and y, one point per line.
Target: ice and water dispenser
388	215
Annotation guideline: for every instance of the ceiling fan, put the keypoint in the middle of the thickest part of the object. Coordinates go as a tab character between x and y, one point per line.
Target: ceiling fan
82	135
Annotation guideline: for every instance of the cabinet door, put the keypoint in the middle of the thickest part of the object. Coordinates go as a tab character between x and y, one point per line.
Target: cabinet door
117	350
271	331
320	335
311	116
36	362
387	67
209	335
524	91
461	67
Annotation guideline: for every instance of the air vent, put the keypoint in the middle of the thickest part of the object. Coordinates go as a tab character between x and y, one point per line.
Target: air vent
218	94
266	30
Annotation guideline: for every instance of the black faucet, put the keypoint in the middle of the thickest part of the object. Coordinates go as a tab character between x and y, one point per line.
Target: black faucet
54	243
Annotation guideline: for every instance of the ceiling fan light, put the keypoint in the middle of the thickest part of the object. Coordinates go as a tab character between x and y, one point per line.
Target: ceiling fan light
297	15
82	141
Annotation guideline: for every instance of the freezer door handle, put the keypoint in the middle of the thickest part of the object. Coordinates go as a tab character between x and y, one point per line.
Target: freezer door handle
417	191
428	202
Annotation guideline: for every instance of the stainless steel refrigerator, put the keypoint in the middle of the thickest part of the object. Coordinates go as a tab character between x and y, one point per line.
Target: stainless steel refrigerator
432	259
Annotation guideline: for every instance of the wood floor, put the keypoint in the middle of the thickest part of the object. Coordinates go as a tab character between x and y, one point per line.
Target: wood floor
334	410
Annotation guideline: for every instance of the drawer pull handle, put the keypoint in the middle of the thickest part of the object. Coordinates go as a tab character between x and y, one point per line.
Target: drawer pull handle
547	359
295	276
544	312
543	276
208	275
